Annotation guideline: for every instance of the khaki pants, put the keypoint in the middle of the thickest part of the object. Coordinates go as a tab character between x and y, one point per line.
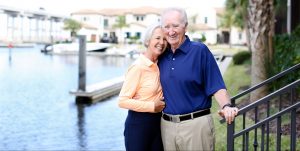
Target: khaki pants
191	135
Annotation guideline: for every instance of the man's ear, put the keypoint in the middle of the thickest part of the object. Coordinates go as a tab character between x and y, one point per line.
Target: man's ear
185	27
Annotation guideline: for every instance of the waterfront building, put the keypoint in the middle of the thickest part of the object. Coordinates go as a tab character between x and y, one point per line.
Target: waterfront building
123	25
203	23
31	26
117	25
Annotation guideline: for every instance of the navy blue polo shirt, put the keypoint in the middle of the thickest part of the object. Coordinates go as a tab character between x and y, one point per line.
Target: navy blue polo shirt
189	77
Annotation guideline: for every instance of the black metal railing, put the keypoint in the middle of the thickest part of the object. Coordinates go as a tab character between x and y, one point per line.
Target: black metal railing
272	116
277	76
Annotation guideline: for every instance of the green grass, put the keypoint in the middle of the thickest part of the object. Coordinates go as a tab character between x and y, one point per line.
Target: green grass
226	50
235	77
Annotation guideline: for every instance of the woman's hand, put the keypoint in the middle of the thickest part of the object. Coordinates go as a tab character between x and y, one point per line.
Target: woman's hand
159	105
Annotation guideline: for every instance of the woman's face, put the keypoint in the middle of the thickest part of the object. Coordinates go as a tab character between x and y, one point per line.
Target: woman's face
157	42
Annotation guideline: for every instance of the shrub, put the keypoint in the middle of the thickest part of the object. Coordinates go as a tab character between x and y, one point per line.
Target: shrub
286	54
203	38
241	57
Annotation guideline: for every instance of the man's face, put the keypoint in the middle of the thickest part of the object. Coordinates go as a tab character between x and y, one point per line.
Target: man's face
174	28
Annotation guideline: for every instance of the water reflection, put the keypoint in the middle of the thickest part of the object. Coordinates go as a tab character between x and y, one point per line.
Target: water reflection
37	111
81	129
9	55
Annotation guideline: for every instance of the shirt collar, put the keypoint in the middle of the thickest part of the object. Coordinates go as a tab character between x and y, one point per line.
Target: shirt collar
184	47
145	61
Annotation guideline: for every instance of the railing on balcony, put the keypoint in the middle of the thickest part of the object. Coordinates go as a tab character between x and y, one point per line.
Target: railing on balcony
270	122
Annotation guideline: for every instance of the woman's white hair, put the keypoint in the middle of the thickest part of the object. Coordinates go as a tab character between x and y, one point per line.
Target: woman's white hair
149	32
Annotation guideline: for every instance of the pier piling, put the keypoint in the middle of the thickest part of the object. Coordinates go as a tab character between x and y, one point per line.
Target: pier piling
82	63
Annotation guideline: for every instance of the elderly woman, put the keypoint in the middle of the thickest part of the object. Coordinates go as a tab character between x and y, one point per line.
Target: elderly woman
141	94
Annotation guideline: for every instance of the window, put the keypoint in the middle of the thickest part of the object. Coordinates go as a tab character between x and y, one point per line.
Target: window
240	36
138	35
139	18
85	18
105	23
205	20
127	34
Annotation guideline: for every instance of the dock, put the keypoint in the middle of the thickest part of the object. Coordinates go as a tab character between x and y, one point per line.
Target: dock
98	91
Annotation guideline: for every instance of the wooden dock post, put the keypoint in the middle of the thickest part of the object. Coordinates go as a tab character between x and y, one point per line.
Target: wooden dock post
82	63
10	46
94	92
99	91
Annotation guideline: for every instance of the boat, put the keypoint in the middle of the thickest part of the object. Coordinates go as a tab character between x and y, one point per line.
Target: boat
74	47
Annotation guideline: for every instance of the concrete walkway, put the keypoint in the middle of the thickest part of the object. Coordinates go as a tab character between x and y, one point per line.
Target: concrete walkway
223	65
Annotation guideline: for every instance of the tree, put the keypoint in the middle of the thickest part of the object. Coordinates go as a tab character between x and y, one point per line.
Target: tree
237	10
192	22
72	25
192	28
120	24
227	22
261	29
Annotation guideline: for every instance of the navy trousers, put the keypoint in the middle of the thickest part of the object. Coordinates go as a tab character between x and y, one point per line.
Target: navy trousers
142	132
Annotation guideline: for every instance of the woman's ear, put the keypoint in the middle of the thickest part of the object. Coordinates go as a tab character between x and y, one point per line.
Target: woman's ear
147	44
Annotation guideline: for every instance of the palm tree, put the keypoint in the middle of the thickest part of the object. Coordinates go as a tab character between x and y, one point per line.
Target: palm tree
120	24
237	9
72	25
192	22
261	29
227	21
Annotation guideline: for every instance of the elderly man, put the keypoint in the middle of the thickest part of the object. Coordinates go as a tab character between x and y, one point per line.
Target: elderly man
189	77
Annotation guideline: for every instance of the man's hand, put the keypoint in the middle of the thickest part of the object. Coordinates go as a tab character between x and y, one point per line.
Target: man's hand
229	113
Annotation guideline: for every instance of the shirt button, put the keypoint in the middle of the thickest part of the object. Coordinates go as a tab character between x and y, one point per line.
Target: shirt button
172	68
173	58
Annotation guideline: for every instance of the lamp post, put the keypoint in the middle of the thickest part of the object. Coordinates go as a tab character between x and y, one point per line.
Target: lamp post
289	17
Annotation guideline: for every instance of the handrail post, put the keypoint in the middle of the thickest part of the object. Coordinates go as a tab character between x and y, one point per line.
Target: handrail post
230	127
230	137
293	130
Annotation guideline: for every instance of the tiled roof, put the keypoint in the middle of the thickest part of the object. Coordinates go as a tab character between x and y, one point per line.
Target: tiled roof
85	12
144	10
116	12
112	12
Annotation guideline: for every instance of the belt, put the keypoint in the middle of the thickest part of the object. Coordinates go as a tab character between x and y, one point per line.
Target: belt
179	118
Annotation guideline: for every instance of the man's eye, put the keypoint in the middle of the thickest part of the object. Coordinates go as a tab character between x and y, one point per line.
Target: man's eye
176	26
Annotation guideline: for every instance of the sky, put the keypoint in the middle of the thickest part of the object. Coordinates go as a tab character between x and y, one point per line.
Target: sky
66	7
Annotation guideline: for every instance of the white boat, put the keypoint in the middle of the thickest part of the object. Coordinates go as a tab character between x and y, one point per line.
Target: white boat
74	47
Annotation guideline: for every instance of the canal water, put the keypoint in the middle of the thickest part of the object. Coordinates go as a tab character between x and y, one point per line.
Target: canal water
38	113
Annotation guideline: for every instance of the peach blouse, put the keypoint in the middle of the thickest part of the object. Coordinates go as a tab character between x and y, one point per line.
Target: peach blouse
141	86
